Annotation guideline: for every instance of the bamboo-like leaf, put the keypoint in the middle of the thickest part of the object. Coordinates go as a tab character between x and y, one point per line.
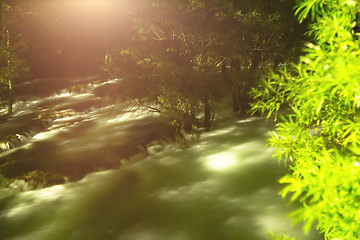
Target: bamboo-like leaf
304	8
319	106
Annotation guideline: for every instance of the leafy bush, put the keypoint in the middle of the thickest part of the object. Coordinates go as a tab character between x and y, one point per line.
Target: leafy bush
282	237
320	134
179	110
39	179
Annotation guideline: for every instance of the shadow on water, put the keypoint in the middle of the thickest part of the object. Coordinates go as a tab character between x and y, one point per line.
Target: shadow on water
224	187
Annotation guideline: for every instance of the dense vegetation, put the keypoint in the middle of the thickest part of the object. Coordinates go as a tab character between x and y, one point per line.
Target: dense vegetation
319	133
12	65
189	54
179	57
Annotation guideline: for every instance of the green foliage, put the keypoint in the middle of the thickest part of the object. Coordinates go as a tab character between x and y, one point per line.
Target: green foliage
39	179
180	110
199	51
136	70
12	66
320	132
278	237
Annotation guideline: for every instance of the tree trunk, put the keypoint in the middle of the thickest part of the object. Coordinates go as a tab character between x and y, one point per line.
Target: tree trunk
10	98
235	101
225	73
255	60
188	123
244	104
10	87
207	117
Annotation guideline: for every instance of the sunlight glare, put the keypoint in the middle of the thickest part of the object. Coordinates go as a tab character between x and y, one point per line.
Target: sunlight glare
45	135
221	161
50	193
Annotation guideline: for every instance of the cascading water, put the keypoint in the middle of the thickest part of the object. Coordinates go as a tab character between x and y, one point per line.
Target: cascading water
223	187
73	133
18	140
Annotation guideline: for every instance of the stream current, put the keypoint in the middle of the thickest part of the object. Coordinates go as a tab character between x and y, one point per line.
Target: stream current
223	187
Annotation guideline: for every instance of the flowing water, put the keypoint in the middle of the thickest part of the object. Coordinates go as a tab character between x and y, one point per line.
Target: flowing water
223	187
74	132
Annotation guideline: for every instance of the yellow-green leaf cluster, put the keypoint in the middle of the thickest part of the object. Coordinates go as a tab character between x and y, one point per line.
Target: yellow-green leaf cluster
320	132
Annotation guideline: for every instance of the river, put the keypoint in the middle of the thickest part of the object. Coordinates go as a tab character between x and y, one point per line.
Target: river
223	187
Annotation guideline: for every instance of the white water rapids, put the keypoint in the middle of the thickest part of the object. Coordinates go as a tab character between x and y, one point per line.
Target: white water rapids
224	187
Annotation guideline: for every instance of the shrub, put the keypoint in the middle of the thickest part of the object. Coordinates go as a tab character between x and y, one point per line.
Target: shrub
320	134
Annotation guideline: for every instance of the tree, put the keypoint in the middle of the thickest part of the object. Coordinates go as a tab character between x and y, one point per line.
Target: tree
320	133
168	61
12	66
197	51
